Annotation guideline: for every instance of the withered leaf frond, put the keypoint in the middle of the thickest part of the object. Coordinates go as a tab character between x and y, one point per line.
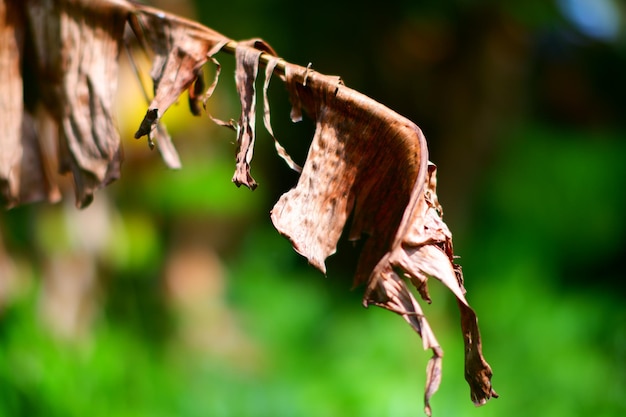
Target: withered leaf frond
247	60
72	52
181	47
365	161
272	63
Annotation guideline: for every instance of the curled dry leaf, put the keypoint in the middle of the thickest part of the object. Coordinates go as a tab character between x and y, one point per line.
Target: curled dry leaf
368	160
81	86
23	174
269	70
181	47
247	62
365	160
72	52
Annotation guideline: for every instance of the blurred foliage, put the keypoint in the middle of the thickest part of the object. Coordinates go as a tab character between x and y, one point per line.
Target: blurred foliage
172	294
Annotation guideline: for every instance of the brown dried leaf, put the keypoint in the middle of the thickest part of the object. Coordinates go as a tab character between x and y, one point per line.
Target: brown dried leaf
269	70
433	378
364	159
76	45
358	160
36	169
196	93
230	124
247	55
247	61
12	25
371	161
181	48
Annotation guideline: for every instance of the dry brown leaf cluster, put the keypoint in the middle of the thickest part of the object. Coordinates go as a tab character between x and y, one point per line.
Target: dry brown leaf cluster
59	64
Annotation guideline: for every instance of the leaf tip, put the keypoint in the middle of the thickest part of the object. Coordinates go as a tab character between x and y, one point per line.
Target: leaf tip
151	117
246	181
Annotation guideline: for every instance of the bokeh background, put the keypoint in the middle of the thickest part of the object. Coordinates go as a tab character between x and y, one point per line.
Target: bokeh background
173	295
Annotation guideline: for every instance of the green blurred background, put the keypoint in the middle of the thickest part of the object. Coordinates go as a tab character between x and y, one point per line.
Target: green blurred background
173	295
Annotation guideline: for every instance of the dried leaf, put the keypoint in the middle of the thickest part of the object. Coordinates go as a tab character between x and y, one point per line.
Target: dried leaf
12	25
247	61
77	47
36	169
433	376
425	249
195	93
358	160
209	91
477	371
248	54
365	159
181	48
230	124
269	70
371	161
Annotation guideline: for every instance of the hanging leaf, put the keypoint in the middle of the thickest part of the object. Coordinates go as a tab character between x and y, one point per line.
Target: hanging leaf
24	176
271	66
365	161
181	48
247	62
78	49
371	161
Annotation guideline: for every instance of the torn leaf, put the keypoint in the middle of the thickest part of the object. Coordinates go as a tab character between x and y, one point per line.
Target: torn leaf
367	160
269	70
181	47
78	48
247	61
